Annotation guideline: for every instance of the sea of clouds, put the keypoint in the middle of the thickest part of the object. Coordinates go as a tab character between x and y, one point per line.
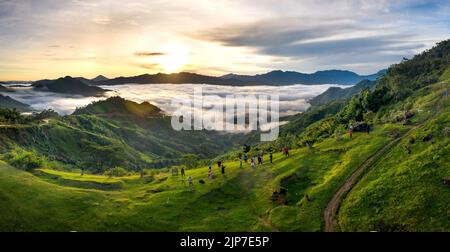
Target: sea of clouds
292	99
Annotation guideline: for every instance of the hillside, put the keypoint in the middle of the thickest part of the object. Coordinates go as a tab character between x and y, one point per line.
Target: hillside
8	102
68	85
337	93
119	133
279	77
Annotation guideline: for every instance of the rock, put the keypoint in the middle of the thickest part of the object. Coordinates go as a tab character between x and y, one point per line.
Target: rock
427	138
408	115
360	127
446	181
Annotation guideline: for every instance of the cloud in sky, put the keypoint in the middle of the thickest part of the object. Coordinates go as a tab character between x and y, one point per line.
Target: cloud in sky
148	54
118	38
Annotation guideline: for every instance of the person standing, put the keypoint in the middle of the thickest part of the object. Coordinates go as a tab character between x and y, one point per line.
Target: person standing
223	169
271	157
219	164
211	175
182	173
240	163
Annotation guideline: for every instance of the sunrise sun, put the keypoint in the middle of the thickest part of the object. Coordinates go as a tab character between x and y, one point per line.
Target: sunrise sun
175	57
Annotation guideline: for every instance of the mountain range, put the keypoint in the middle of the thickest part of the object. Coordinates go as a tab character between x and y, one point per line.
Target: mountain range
276	78
279	77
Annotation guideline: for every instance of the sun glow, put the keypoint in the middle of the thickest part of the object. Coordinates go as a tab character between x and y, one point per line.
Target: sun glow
175	57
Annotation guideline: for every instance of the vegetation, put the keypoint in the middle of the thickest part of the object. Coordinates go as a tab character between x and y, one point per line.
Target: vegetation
337	93
89	171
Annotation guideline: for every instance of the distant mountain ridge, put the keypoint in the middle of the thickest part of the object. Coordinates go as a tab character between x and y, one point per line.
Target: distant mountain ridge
177	78
69	85
100	78
279	77
275	78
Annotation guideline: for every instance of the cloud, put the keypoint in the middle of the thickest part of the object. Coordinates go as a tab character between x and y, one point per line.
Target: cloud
334	39
293	98
102	20
149	54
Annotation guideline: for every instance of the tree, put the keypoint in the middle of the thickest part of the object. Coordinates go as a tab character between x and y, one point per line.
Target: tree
100	156
190	160
246	148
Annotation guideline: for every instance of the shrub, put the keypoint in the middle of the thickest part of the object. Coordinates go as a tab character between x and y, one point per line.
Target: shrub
116	172
26	160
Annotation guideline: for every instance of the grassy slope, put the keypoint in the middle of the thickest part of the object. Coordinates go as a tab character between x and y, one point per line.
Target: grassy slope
406	191
238	202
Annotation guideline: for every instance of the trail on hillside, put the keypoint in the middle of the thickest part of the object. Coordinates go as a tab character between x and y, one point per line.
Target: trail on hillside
331	211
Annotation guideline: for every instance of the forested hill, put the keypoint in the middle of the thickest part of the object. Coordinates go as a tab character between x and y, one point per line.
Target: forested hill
68	85
119	106
337	93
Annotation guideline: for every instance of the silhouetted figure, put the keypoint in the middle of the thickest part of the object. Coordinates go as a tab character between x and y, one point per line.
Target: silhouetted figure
182	173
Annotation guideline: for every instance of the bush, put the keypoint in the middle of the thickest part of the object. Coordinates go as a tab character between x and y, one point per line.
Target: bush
26	160
116	172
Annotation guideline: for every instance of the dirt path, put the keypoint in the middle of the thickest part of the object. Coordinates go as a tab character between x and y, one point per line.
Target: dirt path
331	211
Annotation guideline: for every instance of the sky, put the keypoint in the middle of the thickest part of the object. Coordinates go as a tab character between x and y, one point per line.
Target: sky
53	38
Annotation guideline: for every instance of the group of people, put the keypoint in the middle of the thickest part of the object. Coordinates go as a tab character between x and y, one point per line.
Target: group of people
254	160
